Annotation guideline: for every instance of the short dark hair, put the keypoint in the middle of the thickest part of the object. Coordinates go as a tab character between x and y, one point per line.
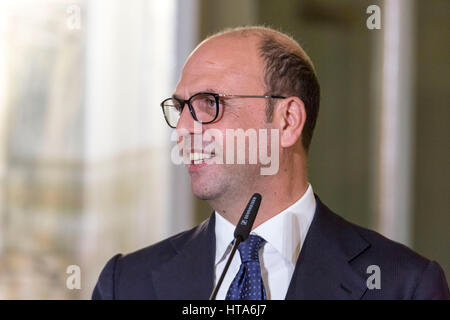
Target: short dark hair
289	72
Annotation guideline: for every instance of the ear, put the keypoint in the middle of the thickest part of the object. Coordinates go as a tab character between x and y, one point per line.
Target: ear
289	118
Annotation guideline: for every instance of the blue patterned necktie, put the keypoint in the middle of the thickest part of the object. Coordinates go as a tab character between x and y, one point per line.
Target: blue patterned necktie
248	284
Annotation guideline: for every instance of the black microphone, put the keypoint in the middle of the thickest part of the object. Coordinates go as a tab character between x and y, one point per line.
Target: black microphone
241	234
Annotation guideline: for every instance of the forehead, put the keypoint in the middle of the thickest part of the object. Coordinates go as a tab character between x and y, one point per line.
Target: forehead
227	63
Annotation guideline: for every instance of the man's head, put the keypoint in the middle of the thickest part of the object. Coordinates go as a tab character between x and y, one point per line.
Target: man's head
251	61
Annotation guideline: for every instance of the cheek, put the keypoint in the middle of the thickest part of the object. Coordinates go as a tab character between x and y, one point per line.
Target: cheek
245	117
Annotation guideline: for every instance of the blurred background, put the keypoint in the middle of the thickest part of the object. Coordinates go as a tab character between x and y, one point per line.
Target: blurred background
85	168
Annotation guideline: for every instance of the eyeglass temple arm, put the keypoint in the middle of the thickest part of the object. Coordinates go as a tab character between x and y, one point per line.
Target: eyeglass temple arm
247	96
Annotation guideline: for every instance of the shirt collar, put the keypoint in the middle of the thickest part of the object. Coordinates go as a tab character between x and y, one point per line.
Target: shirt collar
224	236
294	221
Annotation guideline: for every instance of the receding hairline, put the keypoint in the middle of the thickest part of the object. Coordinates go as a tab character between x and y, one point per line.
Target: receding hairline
249	31
262	33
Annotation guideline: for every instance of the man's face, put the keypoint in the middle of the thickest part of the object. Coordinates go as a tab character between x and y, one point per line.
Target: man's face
225	65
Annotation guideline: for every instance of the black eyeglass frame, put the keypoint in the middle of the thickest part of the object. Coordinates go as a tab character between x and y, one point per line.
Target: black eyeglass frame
217	97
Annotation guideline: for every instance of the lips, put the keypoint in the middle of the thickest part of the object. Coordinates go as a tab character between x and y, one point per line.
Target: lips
198	160
199	157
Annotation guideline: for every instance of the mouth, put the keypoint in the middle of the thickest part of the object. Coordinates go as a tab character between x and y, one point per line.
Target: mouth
200	157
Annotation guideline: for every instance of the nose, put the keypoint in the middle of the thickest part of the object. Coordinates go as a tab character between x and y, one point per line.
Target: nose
185	124
189	131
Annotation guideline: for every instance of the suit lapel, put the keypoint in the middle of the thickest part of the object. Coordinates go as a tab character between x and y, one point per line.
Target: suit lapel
323	269
190	273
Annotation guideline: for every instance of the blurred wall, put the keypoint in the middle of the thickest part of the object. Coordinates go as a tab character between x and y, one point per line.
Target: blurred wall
431	227
85	170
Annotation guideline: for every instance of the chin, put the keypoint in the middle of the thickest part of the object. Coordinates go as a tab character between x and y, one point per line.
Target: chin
204	193
207	189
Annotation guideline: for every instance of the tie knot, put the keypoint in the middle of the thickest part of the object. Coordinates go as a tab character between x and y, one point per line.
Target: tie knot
250	247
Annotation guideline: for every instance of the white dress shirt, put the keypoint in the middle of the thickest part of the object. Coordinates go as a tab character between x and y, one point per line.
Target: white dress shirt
284	234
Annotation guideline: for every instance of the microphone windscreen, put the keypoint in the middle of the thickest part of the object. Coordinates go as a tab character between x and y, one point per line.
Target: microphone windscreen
245	224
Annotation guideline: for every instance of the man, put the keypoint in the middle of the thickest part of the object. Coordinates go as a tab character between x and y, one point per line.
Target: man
246	79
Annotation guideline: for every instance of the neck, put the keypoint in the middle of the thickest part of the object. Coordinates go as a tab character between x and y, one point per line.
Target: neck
278	193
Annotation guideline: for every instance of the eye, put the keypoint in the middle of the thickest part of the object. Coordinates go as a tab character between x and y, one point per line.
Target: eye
210	101
204	102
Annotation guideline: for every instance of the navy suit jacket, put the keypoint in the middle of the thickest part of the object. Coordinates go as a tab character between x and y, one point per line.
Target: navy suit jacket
332	264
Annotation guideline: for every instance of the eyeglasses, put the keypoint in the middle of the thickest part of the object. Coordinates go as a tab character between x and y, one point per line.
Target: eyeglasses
203	106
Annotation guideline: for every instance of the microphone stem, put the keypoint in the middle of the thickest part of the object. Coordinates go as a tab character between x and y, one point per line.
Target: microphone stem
236	243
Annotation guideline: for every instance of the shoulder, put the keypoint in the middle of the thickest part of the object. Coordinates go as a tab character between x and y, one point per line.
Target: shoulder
403	272
153	255
414	276
135	268
376	244
391	250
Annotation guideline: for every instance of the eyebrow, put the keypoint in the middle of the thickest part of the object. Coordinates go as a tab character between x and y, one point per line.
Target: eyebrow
174	96
205	90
